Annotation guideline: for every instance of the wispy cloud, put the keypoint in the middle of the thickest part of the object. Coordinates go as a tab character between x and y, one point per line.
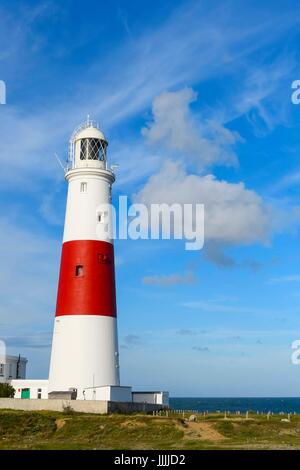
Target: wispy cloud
200	348
36	341
262	98
284	279
215	307
167	280
187	332
28	278
206	41
286	182
131	340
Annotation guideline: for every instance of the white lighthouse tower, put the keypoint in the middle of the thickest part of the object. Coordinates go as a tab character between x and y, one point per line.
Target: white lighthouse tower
84	360
85	346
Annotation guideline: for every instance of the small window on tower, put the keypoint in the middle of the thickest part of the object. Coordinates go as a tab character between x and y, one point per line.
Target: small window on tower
94	148
101	216
83	149
103	259
83	187
79	270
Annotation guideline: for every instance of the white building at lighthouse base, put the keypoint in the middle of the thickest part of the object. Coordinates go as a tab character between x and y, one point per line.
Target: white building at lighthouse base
38	390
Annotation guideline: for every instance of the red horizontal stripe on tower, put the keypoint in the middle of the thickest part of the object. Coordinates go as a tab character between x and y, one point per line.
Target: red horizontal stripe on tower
87	279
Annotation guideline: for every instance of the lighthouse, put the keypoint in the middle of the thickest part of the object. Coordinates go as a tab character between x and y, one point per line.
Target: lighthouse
84	354
84	363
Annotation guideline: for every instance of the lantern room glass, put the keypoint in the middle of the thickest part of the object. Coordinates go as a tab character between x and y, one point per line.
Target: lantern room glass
93	149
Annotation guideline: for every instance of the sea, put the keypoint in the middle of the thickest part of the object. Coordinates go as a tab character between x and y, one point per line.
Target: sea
233	405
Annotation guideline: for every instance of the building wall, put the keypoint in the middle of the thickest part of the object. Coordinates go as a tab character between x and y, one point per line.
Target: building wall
120	394
38	389
80	406
156	398
109	393
8	368
117	407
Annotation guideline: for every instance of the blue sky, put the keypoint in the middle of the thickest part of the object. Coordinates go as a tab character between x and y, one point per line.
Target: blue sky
195	99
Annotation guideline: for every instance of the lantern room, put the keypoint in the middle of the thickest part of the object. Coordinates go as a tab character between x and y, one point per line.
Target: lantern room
88	147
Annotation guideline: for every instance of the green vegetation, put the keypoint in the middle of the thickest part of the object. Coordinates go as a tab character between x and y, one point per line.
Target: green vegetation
70	430
6	391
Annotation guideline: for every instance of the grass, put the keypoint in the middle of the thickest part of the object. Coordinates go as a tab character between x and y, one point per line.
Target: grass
52	430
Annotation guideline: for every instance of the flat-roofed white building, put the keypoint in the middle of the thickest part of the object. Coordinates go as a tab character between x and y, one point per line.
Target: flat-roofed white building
116	393
152	397
30	389
12	367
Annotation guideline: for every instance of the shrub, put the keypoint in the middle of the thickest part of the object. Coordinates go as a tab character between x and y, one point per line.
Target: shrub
6	391
68	410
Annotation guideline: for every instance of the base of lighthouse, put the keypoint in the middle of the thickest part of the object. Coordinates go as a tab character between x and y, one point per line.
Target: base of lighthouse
97	367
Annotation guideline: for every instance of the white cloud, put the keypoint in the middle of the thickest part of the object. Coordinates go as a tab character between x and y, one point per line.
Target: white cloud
201	142
233	213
